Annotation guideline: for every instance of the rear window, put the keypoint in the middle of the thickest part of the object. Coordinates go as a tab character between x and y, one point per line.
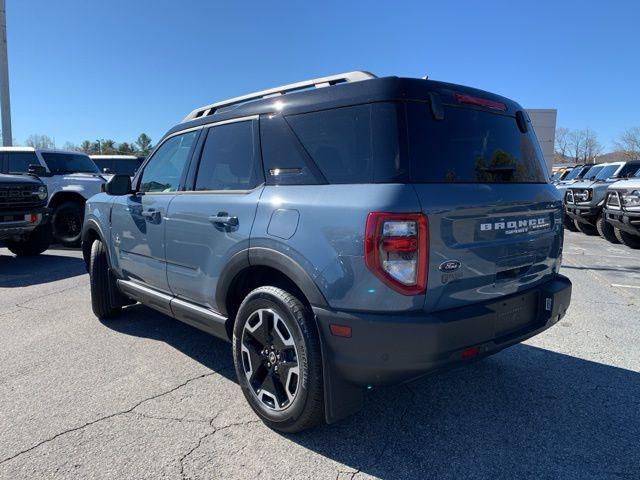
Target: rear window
471	146
356	144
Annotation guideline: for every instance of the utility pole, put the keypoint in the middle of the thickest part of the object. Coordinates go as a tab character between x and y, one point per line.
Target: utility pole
5	103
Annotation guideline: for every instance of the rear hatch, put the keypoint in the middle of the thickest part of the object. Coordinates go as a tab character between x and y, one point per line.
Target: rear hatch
495	224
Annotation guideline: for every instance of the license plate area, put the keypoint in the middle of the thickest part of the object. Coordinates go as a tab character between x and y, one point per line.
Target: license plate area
516	314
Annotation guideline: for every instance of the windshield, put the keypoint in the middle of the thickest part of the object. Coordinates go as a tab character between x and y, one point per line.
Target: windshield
574	173
69	163
607	171
555	176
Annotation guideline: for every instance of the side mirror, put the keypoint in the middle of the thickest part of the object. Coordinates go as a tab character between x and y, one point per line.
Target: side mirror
118	185
37	170
106	170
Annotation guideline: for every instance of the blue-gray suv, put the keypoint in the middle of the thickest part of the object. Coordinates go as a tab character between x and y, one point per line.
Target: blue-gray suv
343	233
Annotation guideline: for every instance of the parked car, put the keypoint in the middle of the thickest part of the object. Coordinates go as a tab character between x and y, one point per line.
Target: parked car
343	233
584	200
590	175
24	216
622	212
117	164
576	174
559	175
70	177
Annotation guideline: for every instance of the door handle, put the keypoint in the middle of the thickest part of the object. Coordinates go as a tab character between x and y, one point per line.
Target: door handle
149	214
223	218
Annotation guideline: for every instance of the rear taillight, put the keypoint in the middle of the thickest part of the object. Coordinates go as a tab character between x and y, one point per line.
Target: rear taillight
396	250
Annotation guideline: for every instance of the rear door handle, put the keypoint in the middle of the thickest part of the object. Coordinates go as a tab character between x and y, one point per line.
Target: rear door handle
223	218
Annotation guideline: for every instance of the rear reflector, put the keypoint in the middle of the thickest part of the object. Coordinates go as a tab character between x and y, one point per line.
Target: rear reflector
470	352
481	102
340	330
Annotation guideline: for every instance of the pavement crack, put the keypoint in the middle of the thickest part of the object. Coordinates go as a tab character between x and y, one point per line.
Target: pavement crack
107	417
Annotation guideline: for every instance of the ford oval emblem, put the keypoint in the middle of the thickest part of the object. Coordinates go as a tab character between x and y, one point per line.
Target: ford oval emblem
449	266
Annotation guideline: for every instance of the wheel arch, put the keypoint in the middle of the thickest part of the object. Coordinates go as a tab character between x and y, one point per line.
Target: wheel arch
66	196
91	231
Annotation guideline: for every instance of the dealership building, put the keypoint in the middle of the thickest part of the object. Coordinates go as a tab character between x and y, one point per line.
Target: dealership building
544	124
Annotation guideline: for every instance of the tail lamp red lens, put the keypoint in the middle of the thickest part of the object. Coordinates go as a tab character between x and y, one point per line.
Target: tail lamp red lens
470	352
396	250
481	102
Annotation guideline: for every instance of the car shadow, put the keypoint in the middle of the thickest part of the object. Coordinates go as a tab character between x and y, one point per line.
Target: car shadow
526	412
16	272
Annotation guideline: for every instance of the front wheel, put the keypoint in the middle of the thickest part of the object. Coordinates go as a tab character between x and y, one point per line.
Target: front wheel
586	228
67	221
37	242
631	241
568	224
276	352
606	230
101	282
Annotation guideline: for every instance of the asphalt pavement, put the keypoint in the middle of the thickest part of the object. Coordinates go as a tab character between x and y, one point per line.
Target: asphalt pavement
144	396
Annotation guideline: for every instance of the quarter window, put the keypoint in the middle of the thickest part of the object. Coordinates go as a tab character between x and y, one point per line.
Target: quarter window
228	159
164	170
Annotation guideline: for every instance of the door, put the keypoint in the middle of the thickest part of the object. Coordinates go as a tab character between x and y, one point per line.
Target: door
209	224
138	220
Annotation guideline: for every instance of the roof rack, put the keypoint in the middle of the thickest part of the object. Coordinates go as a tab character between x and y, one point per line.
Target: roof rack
354	76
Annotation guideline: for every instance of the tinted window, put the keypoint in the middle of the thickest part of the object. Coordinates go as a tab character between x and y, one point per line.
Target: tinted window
353	144
471	145
103	163
125	166
19	161
228	158
607	171
163	171
628	170
60	163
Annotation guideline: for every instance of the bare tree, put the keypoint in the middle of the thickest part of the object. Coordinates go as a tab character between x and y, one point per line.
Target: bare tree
562	142
629	143
575	146
591	147
38	140
72	147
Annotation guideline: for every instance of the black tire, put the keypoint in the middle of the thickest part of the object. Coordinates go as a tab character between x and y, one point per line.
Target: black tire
36	243
605	229
586	228
99	280
270	305
569	224
67	222
631	241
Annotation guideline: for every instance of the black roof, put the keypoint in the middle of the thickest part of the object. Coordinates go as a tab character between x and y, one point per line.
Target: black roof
345	94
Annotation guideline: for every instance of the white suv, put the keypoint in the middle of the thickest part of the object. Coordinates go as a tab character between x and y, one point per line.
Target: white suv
71	178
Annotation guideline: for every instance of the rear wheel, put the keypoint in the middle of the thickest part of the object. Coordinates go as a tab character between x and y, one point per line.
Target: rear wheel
586	228
276	352
36	243
67	223
631	241
606	231
568	224
101	282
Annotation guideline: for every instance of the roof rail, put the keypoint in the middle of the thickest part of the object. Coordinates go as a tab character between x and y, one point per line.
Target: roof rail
354	76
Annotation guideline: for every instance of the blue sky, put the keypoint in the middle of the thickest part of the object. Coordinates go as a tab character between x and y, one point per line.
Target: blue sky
88	69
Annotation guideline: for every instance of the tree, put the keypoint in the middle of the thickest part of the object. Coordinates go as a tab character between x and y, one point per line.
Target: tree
575	144
143	143
562	142
629	143
72	147
125	149
591	147
85	146
38	140
108	147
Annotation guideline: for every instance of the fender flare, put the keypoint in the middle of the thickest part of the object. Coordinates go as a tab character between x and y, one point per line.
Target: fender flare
91	225
261	256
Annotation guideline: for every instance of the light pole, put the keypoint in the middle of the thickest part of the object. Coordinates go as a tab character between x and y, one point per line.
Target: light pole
5	103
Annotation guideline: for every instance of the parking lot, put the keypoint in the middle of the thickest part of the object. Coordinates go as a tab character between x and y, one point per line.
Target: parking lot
145	396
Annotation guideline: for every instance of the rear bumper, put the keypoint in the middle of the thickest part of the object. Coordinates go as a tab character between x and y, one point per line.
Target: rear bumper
626	221
385	349
584	214
10	227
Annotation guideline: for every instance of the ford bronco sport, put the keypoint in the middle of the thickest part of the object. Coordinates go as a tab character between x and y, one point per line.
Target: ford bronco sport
24	217
343	233
71	178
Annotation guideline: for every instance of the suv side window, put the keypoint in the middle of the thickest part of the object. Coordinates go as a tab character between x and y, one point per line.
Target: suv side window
228	160
163	171
19	162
